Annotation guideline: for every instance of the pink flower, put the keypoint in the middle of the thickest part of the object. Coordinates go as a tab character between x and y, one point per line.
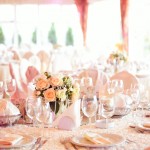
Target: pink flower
49	95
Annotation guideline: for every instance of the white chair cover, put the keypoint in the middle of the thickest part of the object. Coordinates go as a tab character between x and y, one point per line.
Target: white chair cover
127	78
99	78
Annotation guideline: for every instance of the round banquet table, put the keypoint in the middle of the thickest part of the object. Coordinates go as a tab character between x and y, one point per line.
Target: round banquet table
55	136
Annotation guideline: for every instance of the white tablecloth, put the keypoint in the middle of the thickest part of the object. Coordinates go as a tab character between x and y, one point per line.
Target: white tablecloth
54	135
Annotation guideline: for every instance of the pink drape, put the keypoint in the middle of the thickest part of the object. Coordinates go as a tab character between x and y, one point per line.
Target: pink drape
124	7
82	6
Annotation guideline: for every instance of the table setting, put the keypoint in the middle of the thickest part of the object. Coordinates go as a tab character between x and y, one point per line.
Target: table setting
64	129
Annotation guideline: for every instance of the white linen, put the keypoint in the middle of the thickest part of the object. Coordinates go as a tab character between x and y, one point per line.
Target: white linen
70	118
8	108
10	139
122	100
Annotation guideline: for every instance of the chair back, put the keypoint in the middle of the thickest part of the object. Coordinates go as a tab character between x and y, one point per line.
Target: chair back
127	78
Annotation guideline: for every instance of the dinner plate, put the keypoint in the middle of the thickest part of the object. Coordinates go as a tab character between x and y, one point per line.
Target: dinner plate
121	111
140	126
26	141
114	138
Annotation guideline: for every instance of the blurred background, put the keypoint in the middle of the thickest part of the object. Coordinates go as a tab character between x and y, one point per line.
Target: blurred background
91	29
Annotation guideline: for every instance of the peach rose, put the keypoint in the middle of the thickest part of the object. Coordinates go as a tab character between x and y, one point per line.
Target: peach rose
55	81
42	84
49	95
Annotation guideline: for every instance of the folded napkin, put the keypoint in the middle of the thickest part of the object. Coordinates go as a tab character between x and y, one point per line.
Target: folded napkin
10	139
122	104
96	138
122	100
70	118
8	108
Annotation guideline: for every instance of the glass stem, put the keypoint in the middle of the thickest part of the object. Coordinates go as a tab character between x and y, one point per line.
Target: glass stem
106	121
90	120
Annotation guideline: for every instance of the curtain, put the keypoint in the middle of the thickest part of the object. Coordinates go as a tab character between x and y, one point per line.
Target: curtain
124	7
82	6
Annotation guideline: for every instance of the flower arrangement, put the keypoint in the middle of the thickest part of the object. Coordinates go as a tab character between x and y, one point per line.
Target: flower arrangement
117	57
56	88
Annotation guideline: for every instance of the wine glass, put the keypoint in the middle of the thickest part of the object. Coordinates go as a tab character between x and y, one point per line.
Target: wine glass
30	106
134	93
86	85
89	106
111	86
10	87
120	86
43	115
107	108
1	89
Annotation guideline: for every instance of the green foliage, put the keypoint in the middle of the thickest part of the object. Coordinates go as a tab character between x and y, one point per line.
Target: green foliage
69	37
34	36
2	38
52	38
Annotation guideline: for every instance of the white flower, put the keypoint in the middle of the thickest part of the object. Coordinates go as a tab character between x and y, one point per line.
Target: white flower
61	94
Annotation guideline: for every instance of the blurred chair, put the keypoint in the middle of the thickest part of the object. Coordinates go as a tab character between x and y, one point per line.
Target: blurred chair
27	55
99	78
45	60
24	64
16	55
36	62
127	78
27	71
31	73
129	81
21	90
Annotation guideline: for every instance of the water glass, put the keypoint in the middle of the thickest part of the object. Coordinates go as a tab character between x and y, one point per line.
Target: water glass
86	85
111	86
44	113
30	107
120	86
107	108
89	106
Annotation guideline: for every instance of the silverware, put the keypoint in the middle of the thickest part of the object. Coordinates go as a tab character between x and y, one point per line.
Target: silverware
131	141
36	143
41	144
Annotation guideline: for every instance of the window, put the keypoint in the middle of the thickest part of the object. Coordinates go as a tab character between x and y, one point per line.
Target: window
139	29
104	26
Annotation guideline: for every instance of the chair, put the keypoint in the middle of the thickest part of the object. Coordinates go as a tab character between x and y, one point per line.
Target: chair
45	60
22	90
31	73
99	78
18	98
16	55
127	78
27	55
36	62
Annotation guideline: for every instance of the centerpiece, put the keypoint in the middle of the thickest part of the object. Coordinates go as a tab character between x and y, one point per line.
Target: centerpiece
56	89
117	58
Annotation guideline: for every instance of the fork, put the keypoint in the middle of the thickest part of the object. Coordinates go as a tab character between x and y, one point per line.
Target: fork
41	144
36	143
131	141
